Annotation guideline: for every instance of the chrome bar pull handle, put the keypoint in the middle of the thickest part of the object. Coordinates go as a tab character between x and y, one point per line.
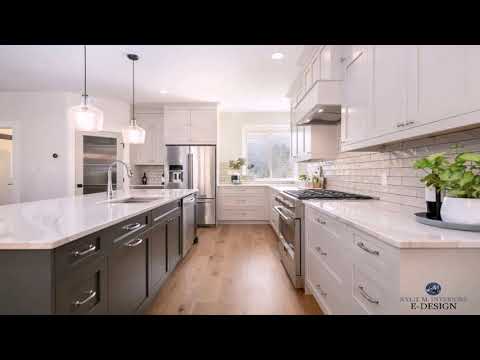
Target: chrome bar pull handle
91	248
362	246
366	296
131	227
134	242
90	295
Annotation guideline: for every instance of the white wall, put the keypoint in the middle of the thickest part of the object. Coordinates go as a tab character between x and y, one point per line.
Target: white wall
43	129
232	123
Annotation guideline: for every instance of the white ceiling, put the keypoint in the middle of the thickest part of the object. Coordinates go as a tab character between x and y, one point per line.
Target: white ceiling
239	77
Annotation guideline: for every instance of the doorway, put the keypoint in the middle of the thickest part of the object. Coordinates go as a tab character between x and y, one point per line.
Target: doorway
7	184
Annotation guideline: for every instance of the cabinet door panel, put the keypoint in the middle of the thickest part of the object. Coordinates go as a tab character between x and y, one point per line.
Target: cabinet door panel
204	126
177	127
357	109
158	254
128	275
473	77
441	81
389	88
173	242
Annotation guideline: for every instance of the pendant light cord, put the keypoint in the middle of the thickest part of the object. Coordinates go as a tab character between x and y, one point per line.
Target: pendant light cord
85	71
133	92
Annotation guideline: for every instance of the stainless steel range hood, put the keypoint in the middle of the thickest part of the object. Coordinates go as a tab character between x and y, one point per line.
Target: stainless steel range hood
321	104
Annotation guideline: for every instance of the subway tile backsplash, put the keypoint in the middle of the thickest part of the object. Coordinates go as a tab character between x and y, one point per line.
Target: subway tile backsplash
388	174
154	174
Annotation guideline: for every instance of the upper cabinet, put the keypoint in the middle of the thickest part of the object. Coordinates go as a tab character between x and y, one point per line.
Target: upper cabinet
398	92
152	151
190	126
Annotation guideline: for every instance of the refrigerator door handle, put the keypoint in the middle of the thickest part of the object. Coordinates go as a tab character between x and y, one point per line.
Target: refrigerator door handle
190	171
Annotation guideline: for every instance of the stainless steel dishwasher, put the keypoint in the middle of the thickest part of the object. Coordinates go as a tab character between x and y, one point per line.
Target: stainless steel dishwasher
189	223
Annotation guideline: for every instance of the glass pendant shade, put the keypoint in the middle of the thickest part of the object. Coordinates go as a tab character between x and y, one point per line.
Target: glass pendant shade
87	117
133	134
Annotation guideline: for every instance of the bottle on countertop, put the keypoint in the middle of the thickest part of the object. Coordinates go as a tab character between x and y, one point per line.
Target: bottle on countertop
144	179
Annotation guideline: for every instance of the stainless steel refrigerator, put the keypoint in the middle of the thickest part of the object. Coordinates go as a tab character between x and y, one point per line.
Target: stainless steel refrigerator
194	167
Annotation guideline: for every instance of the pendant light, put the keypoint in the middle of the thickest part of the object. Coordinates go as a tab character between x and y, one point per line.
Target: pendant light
86	116
134	134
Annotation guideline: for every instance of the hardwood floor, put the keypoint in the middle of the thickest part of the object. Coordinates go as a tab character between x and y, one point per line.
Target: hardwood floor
234	269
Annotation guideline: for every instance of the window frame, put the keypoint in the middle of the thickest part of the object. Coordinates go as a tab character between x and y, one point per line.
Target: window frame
265	129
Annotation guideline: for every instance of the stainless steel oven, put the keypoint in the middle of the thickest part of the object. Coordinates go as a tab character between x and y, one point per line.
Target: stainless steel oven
290	245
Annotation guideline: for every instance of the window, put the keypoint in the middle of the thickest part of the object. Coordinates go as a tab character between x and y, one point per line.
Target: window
267	148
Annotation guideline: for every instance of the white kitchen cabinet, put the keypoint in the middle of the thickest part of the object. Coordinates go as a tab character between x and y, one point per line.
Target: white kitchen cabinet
332	62
356	112
417	90
243	204
176	126
203	126
153	150
389	89
440	82
190	126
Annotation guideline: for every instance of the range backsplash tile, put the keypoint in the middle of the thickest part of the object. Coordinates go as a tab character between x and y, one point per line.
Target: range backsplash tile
154	174
388	174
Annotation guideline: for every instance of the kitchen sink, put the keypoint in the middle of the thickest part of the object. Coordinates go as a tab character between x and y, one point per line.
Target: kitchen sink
134	199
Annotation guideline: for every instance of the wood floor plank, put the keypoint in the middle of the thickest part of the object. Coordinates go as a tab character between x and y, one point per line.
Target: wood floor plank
233	270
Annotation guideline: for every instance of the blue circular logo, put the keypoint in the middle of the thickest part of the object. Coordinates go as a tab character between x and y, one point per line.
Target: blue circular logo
433	288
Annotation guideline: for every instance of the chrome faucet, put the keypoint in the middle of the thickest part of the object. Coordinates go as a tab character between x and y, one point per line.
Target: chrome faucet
109	174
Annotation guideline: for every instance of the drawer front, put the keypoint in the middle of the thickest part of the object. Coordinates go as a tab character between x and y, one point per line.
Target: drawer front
84	291
243	190
375	254
162	212
128	228
71	256
327	248
242	214
327	223
327	290
371	296
242	201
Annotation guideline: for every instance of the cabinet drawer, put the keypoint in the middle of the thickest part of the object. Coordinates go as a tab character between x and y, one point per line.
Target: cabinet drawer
325	286
370	296
243	190
322	222
331	249
84	291
241	201
127	228
166	211
242	214
375	254
73	255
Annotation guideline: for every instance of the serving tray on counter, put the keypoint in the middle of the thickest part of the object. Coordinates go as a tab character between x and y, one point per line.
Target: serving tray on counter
422	218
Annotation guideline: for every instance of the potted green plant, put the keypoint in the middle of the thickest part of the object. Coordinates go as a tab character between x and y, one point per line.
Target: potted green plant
304	179
236	166
433	165
460	179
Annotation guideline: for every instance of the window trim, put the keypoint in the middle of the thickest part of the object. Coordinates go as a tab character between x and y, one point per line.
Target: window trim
267	129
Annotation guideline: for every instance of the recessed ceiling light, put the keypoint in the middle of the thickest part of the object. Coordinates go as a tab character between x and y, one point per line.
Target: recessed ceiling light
163	92
277	56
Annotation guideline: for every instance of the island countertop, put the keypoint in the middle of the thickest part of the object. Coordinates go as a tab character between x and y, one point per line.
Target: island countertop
48	224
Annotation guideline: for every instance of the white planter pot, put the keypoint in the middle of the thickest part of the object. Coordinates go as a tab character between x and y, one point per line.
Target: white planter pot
461	211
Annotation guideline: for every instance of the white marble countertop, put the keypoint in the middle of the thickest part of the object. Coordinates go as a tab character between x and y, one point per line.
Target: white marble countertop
48	224
394	224
276	186
148	186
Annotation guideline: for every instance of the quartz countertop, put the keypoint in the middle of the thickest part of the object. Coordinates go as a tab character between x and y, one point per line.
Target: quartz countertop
394	224
47	224
276	186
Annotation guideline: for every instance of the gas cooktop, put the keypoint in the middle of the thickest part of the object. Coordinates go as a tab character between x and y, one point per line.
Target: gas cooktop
324	194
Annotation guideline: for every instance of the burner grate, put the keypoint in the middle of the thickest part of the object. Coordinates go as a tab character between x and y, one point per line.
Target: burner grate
324	194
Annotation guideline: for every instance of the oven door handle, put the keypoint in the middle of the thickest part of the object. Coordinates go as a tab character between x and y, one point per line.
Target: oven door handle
283	202
286	218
